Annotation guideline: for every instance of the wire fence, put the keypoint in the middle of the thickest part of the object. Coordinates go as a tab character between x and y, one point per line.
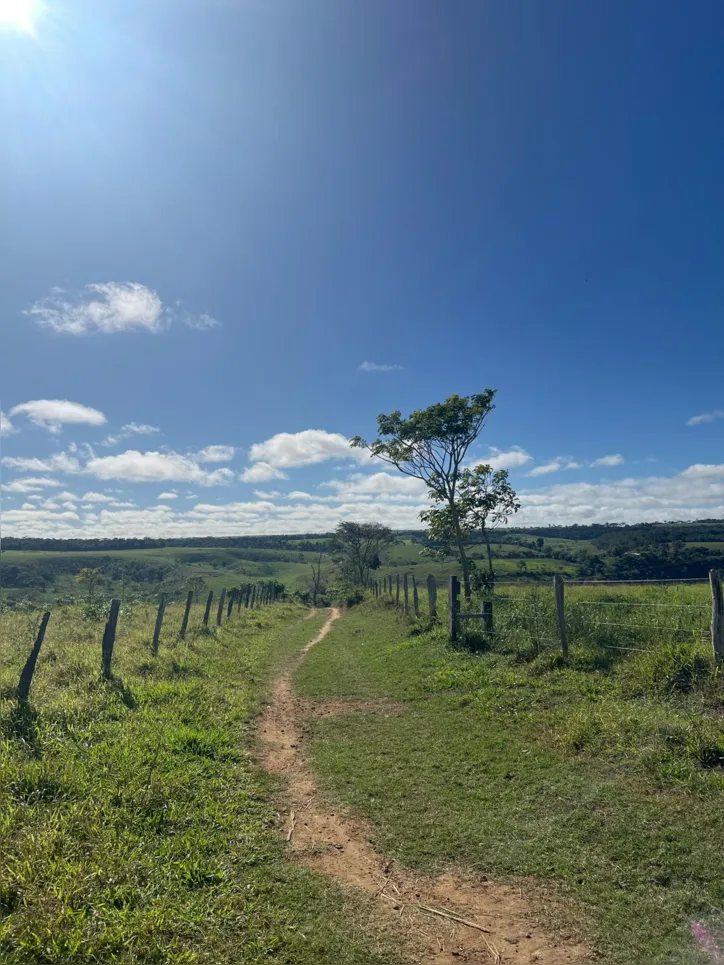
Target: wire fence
568	615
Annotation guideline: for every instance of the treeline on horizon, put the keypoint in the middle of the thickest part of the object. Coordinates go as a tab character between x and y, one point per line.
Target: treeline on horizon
607	536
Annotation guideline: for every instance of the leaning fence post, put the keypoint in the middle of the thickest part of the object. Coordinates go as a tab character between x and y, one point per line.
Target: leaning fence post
220	611
453	601
415	596
432	595
239	598
230	607
159	624
717	615
247	595
187	611
26	677
109	638
253	597
560	611
407	593
207	611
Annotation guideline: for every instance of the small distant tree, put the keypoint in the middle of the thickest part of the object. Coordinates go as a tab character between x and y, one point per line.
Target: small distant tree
89	578
485	500
431	445
319	579
359	546
540	543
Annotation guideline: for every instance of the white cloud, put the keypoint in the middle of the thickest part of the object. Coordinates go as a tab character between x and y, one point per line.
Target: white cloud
96	498
60	462
216	454
130	429
557	465
379	367
379	483
51	414
261	472
613	460
30	484
111	307
267	494
6	426
500	459
288	450
158	467
201	322
695	493
168	496
696	420
107	307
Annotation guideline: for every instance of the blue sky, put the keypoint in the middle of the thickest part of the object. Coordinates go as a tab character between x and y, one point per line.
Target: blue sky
215	211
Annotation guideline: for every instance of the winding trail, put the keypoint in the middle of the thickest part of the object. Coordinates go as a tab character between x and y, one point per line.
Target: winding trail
342	847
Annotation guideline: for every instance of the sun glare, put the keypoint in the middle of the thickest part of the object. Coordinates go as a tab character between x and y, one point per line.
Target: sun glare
18	14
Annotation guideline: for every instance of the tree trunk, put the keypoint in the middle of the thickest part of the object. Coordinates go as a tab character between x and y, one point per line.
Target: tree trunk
460	540
491	571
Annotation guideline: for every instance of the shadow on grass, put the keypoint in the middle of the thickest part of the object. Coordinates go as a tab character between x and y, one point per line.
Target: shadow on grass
123	691
22	726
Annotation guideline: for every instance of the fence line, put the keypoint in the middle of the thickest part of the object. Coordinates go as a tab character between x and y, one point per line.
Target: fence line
566	626
267	594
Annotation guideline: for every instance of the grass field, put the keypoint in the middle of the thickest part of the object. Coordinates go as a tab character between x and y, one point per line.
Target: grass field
135	827
601	780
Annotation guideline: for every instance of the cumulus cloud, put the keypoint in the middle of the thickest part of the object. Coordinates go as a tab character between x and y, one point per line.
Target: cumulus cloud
96	498
163	467
695	493
379	367
502	459
6	426
59	462
377	484
107	307
556	465
30	484
216	454
168	495
128	430
288	450
696	420
614	460
111	307
52	414
261	472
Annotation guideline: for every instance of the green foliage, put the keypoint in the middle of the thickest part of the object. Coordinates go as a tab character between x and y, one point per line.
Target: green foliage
358	546
431	445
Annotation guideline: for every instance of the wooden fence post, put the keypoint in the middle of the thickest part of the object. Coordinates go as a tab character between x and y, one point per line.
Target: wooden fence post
239	598
432	595
397	597
207	611
558	590
159	624
220	611
717	615
407	593
453	602
109	639
247	595
187	611
486	608
26	677
415	596
230	607
253	597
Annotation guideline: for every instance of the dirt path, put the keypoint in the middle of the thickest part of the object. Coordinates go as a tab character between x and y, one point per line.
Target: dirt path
341	846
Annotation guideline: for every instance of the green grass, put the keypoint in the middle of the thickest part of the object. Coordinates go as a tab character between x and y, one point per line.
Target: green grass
602	779
134	826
